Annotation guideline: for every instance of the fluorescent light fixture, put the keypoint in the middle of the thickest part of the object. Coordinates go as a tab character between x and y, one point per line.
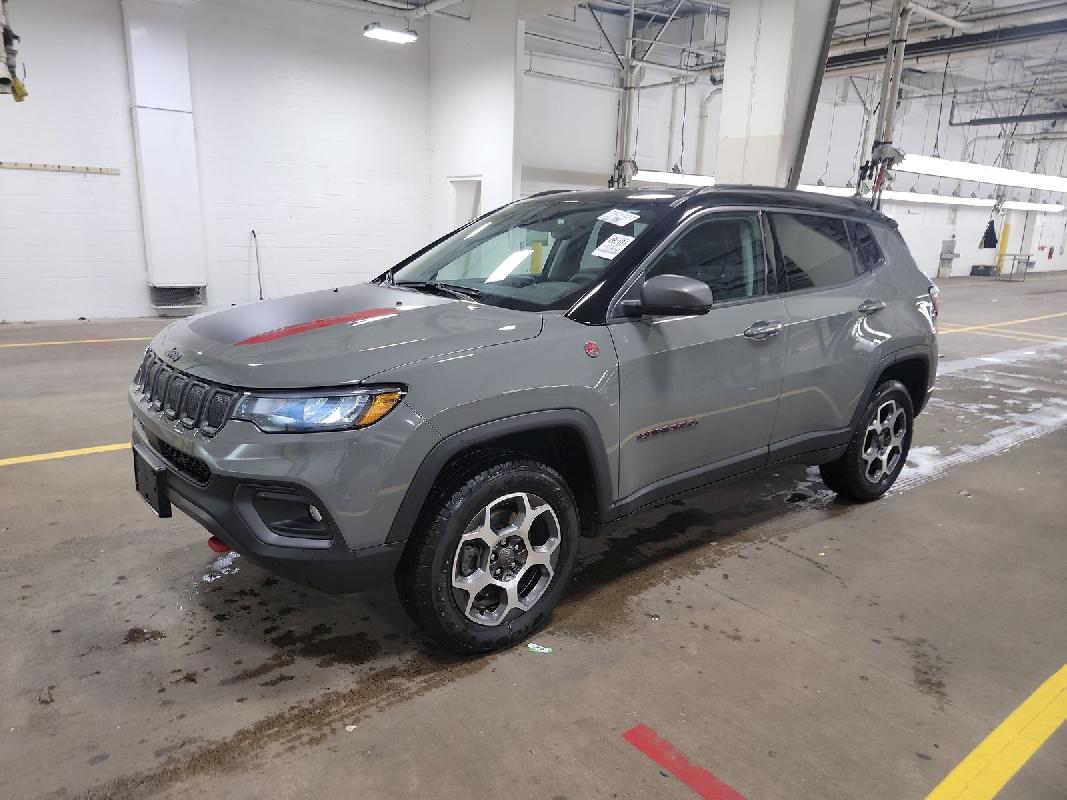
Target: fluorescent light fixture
936	199
1019	205
673	178
903	197
376	31
965	171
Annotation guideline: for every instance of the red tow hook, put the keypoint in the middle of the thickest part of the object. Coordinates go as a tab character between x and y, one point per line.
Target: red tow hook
219	546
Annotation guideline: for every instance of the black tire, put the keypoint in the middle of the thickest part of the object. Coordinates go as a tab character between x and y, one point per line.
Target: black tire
424	579
848	475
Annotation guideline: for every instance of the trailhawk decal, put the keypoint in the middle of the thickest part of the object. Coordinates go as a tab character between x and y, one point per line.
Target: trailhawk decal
677	426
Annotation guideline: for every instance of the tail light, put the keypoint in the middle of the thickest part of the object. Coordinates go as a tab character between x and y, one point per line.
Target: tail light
935	301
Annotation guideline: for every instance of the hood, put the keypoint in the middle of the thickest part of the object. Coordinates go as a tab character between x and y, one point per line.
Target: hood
334	337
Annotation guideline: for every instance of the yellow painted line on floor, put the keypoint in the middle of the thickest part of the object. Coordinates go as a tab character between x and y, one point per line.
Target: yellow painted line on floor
1018	336
995	761
78	341
1004	324
82	451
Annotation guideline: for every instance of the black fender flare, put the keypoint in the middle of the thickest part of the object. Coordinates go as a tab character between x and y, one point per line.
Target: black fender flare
923	352
430	468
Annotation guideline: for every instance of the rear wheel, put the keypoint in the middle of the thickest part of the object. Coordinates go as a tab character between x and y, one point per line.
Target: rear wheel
878	448
493	556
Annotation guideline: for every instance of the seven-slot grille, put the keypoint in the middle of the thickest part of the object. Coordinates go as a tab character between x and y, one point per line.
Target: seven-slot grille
194	403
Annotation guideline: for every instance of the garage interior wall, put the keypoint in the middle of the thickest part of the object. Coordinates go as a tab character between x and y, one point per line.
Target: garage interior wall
306	131
341	152
832	158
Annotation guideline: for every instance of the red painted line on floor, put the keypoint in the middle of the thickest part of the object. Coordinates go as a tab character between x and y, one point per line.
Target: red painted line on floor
674	761
293	330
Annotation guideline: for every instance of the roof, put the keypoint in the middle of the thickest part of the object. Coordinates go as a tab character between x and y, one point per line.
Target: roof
758	196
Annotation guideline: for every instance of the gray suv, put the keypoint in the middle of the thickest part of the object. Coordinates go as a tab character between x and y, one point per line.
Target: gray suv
543	372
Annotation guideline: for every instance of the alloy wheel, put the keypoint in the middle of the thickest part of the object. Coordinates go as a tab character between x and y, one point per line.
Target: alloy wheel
506	558
883	441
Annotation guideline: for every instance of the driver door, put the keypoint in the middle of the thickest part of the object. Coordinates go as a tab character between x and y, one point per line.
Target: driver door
699	393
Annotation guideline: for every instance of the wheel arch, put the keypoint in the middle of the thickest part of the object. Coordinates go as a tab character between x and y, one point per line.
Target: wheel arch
912	366
566	439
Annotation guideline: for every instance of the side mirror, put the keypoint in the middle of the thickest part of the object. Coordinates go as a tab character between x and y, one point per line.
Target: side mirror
672	295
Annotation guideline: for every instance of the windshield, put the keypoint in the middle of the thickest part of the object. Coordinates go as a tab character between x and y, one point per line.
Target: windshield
537	255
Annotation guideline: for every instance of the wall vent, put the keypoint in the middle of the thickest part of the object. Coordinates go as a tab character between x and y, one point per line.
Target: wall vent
178	300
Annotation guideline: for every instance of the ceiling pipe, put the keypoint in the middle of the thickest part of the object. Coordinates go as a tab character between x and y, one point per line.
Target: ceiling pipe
1009	120
405	11
975	24
933	16
873	59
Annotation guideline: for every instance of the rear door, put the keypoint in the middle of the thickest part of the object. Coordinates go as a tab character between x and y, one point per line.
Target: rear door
698	395
833	338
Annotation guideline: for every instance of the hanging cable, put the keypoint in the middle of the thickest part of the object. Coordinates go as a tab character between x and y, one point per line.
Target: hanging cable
685	102
941	110
829	142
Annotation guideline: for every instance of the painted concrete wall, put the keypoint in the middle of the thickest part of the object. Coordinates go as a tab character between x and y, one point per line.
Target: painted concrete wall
474	103
306	131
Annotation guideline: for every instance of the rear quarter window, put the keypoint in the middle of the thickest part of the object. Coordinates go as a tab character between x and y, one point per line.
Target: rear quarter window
894	250
868	253
813	251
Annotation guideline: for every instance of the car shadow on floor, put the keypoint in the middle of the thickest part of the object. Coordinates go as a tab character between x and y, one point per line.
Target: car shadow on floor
303	629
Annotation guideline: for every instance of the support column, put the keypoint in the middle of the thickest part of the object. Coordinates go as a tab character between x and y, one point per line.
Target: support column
774	55
158	61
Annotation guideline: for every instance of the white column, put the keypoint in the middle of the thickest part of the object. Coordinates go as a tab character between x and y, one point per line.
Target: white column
475	73
772	53
158	61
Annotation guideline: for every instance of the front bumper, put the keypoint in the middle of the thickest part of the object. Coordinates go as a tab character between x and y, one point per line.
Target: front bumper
223	506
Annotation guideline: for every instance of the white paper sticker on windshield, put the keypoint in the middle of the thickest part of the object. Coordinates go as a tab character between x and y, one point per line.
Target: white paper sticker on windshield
613	245
618	217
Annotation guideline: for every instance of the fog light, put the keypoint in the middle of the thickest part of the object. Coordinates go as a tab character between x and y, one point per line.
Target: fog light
315	513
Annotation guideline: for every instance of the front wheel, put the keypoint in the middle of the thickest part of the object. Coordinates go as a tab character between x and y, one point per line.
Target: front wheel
878	448
492	558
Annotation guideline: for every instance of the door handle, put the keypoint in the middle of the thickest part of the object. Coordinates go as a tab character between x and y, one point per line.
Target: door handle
870	306
763	330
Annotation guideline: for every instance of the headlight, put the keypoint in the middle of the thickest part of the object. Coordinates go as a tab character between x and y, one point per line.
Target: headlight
303	413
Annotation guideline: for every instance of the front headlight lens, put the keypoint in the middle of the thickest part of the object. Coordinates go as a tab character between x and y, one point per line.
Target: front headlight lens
307	414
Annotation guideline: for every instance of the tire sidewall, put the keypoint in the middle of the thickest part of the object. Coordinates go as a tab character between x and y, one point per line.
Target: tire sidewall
526	478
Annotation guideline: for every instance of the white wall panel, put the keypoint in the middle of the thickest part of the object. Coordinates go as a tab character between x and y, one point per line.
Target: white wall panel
158	55
170	197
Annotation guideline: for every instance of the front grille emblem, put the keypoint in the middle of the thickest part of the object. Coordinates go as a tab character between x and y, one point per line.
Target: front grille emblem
173	354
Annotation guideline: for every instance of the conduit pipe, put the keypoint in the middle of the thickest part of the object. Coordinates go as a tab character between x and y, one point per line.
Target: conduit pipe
404	11
974	23
702	128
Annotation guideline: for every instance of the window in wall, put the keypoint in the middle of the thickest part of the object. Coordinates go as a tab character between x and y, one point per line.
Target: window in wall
813	251
868	253
725	251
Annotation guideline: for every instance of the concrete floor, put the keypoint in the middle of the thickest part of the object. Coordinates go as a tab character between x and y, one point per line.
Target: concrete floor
794	646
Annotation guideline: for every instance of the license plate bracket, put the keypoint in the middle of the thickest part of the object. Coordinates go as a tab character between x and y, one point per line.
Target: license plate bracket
150	479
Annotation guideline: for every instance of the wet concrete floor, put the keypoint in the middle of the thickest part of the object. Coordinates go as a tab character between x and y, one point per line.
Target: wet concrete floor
795	646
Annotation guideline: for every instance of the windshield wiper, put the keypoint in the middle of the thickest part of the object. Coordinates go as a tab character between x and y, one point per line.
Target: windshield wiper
462	292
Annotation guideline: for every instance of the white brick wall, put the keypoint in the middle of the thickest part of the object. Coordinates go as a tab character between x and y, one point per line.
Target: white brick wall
313	135
70	245
306	131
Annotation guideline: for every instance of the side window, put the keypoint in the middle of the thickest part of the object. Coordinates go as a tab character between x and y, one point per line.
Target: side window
813	251
868	254
725	251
